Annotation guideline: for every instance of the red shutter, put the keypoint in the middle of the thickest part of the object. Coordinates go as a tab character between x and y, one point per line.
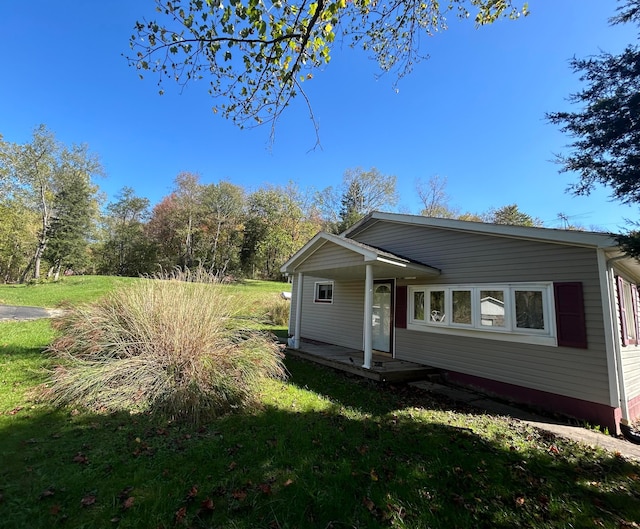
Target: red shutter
401	308
623	312
570	320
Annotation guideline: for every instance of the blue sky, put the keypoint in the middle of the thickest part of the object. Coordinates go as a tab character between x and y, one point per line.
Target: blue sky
473	113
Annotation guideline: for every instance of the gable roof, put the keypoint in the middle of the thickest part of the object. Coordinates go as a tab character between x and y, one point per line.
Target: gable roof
570	237
360	255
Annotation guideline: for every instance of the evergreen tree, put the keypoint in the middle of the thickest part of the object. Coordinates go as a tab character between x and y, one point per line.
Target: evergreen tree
606	130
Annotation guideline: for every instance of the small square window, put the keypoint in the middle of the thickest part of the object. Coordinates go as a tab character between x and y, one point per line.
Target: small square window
324	292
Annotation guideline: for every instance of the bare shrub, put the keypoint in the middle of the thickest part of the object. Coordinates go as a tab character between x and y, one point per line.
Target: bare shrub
164	346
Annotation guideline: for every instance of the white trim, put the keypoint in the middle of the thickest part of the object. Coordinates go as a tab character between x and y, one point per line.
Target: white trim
389	261
550	341
610	334
298	322
368	317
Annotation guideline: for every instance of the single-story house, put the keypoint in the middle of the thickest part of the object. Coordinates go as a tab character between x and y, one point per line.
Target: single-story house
543	316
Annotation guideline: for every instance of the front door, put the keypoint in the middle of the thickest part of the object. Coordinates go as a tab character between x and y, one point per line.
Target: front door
382	311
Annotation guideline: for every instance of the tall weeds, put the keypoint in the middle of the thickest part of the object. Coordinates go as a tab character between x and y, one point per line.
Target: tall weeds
278	312
165	346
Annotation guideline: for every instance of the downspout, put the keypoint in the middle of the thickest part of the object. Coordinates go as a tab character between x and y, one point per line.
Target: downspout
368	316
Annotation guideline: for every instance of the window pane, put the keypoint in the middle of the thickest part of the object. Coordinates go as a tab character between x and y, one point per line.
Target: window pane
418	306
324	292
461	306
436	306
529	313
629	312
492	308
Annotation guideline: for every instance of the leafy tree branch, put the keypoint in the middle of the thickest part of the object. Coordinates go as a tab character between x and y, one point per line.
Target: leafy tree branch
256	54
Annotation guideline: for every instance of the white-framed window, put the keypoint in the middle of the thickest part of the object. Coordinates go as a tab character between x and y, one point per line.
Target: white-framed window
628	309
516	309
323	292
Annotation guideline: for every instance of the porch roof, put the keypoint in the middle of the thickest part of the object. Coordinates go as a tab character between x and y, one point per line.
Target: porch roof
336	257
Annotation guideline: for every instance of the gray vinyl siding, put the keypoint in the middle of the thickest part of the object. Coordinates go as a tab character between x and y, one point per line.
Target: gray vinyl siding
631	366
330	256
466	258
340	322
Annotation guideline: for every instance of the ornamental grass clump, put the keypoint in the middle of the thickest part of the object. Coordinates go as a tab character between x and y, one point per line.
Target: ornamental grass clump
163	346
279	312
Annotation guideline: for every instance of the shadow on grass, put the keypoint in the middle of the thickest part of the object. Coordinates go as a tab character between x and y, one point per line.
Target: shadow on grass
354	458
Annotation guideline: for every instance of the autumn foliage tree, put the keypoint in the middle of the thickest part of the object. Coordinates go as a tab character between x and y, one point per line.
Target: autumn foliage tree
44	175
126	250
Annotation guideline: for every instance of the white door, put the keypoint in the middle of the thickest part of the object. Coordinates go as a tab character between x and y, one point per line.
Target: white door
381	320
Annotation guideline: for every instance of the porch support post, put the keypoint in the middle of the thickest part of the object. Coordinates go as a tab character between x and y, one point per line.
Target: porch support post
368	316
296	331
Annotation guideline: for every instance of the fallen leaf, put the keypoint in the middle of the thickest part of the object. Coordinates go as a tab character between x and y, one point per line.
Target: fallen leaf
374	475
54	510
15	410
520	501
287	483
128	503
207	504
239	495
371	507
124	493
232	465
180	515
80	458
192	493
88	500
265	488
47	493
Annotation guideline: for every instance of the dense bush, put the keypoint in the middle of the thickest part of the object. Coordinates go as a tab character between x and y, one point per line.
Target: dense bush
164	346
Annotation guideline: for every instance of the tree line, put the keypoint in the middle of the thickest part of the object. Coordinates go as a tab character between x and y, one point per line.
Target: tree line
54	221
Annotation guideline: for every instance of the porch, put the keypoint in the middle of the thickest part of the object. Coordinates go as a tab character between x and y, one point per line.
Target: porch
384	368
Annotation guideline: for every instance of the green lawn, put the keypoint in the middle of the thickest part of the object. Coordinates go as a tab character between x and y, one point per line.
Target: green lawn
325	450
74	289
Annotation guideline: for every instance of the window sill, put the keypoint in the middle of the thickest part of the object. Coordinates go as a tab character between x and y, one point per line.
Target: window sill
533	339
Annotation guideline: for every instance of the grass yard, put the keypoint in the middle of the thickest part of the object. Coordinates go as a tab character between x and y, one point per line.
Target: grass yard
73	289
325	450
